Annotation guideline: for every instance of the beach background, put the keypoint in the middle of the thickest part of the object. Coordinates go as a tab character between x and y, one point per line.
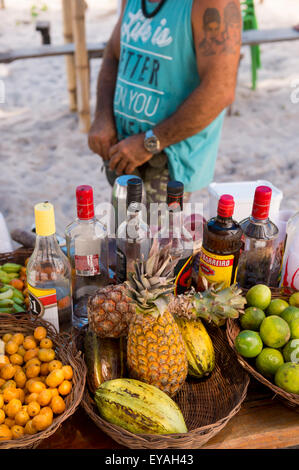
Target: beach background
43	156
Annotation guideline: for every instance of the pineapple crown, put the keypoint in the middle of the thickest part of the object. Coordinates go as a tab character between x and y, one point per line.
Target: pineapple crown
152	282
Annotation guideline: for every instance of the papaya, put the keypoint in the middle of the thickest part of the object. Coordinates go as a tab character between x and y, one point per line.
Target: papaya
105	359
199	347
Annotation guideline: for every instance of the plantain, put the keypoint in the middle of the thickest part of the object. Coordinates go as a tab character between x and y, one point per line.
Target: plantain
139	407
199	347
105	359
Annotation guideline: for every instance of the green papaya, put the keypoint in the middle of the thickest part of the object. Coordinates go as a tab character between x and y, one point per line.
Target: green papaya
199	347
105	359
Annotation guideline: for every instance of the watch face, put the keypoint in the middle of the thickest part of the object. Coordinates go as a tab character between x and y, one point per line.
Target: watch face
152	144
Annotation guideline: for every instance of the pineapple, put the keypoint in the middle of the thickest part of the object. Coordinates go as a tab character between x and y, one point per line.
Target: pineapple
156	352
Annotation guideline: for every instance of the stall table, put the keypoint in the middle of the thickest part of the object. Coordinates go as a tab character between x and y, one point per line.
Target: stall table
264	422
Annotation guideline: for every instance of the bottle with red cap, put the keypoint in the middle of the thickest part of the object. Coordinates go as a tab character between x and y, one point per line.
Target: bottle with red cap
87	249
221	246
257	261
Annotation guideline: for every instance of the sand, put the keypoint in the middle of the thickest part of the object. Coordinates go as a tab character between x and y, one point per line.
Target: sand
43	156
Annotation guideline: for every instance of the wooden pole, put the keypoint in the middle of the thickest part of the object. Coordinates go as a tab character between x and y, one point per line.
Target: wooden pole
70	59
81	62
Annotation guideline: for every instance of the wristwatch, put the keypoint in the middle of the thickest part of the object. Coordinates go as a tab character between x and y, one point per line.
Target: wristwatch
151	142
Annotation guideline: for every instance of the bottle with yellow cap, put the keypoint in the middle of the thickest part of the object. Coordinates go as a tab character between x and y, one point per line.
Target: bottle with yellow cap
49	273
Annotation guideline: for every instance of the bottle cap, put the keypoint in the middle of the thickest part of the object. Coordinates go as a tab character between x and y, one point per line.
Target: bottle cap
85	207
44	219
175	193
262	201
134	191
226	206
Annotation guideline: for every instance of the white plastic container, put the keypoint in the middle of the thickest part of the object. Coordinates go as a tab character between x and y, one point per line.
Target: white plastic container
5	240
243	194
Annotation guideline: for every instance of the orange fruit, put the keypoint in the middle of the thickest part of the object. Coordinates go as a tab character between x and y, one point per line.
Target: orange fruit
44	368
57	405
20	379
68	372
30	428
29	342
3	360
1	401
54	392
33	408
13	407
16	359
21	395
40	333
30	398
65	387
2	416
35	386
18	338
7	371
44	397
11	347
30	354
21	350
40	422
9	384
22	417
5	433
17	431
2	382
32	371
46	343
10	394
55	378
9	422
7	337
55	365
46	354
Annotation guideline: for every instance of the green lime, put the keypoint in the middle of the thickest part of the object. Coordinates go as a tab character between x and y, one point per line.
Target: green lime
252	318
259	296
276	307
290	314
248	343
287	377
274	331
291	351
294	299
268	361
294	327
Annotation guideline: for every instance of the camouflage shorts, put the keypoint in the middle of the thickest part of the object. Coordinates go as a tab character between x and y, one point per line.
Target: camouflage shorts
155	176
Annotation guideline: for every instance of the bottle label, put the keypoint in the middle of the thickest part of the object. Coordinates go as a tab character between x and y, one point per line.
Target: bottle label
217	268
121	266
183	275
43	304
87	265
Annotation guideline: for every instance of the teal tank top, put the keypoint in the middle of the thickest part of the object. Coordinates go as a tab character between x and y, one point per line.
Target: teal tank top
157	72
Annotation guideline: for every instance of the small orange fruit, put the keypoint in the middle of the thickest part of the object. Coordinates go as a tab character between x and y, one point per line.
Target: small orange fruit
3	360
7	337
44	368
40	422
5	433
16	359
54	392
2	416
1	401
11	347
22	417
46	343
44	397
21	350
17	431
13	407
40	333
20	379
55	378
57	405
10	394
30	354
30	398
55	365
9	384
68	372
46	354
21	395
35	386
29	342
18	338
7	371
65	387
30	428
33	408
9	422
32	371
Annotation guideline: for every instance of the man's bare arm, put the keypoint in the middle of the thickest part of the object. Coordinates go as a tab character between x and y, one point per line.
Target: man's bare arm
217	30
103	134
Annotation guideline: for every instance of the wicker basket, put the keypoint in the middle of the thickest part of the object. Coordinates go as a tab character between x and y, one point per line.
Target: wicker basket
67	353
207	405
18	256
233	328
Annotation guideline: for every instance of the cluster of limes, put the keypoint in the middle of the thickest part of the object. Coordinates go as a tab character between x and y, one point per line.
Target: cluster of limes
33	384
270	335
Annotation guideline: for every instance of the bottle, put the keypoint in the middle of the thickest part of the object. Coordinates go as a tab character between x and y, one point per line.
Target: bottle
290	263
257	260
221	246
133	241
175	234
87	250
49	273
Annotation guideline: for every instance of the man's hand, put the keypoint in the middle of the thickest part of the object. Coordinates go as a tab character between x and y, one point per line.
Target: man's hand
102	136
128	155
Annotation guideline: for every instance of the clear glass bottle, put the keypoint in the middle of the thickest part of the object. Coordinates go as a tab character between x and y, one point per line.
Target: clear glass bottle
87	250
174	233
257	261
134	240
221	246
49	273
290	264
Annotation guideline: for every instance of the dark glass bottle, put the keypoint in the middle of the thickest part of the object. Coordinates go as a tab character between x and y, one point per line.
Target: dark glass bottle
221	246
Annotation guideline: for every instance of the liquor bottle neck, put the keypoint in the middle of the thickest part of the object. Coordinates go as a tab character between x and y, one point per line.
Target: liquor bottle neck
48	244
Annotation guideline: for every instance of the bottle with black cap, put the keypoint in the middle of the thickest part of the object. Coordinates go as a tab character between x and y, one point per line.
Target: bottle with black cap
175	234
133	240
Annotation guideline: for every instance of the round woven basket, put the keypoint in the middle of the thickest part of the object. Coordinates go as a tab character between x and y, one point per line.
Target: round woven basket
67	353
18	256
207	405
233	328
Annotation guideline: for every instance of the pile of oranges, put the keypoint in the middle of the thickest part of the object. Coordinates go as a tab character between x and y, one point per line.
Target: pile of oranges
33	384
